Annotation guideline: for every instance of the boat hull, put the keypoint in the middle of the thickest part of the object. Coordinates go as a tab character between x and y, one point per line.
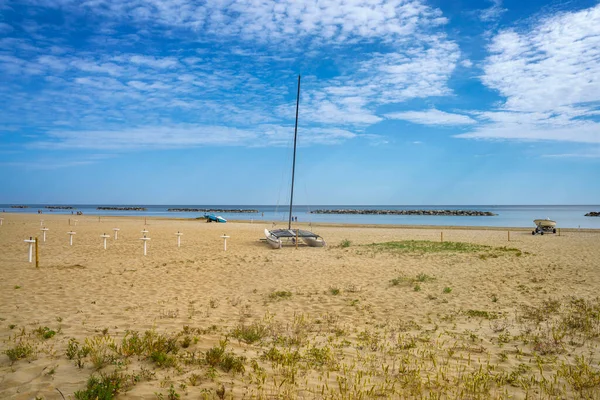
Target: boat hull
273	241
544	223
314	242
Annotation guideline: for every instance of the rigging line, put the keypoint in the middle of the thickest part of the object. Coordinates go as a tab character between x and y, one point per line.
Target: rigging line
287	156
294	162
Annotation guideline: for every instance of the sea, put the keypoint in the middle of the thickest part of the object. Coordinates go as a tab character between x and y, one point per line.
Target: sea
566	216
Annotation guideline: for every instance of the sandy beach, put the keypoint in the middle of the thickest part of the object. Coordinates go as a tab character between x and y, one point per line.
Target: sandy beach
498	319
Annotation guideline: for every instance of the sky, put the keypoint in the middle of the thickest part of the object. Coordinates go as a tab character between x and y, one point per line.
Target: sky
403	102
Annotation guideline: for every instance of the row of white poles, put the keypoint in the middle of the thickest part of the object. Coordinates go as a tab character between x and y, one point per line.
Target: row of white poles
104	236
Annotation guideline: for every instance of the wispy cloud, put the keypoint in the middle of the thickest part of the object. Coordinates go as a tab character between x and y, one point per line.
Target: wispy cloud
550	77
186	136
493	12
433	117
225	75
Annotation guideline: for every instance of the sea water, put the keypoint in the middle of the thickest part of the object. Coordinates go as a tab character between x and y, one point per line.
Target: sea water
566	216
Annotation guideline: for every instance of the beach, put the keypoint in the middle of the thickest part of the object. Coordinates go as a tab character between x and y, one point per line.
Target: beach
494	319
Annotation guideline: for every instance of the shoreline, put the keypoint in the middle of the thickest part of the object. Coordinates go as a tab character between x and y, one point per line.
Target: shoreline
306	224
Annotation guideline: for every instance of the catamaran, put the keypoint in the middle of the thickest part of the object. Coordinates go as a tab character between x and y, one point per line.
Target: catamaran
277	237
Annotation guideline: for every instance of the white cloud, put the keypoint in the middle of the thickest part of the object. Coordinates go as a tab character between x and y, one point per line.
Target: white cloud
554	64
155	62
493	12
549	75
466	63
387	51
433	117
187	135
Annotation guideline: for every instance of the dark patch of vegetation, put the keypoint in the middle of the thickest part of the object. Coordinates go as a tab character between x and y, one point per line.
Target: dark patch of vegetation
280	294
427	246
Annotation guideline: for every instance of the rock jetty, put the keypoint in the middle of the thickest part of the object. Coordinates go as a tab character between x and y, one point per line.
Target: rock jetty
219	210
19	206
59	207
459	213
122	208
593	214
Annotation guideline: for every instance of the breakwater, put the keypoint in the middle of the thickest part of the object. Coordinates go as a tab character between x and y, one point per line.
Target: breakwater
122	208
593	214
59	207
19	206
459	213
219	210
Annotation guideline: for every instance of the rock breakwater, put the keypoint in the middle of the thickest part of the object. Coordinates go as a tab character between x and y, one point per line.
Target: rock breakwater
59	207
458	213
593	214
122	208
219	210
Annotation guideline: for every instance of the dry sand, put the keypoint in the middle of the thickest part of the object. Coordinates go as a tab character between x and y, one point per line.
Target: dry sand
82	290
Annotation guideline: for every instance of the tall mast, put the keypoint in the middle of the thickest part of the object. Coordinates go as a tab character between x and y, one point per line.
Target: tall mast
294	162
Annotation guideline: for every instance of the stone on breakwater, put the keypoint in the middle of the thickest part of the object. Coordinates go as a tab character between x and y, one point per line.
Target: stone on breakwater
461	213
219	210
122	208
19	206
59	207
593	214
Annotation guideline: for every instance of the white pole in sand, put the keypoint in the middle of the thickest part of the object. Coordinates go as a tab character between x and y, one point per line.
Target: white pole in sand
225	237
178	234
41	222
116	232
44	230
144	232
31	241
71	233
104	236
75	222
145	240
1	220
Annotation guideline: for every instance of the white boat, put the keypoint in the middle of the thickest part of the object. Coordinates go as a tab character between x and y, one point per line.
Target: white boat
277	237
544	226
546	223
273	240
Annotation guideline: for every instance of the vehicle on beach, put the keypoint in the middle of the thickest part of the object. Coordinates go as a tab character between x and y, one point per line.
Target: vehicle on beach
544	226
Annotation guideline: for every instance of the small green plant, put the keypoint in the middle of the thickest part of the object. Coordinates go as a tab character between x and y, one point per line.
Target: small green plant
12	326
163	360
494	298
424	278
249	334
447	290
482	314
104	387
281	294
417	287
334	290
401	280
345	243
17	287
74	352
100	350
186	342
172	395
19	352
195	379
45	332
227	361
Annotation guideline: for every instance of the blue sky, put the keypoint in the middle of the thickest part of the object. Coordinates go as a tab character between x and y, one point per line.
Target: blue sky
403	101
